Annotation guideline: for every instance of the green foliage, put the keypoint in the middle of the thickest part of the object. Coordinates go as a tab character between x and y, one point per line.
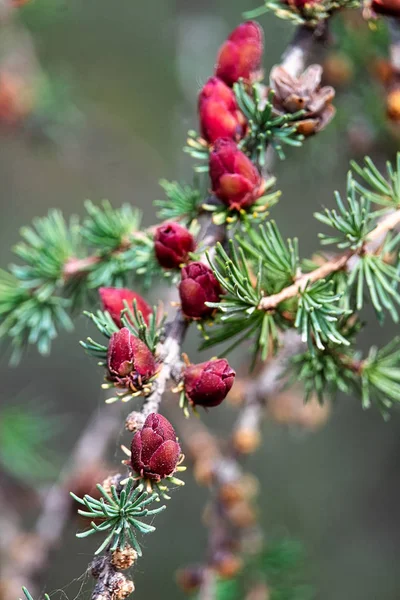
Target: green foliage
376	378
25	432
353	223
44	250
106	229
375	187
239	316
372	271
280	261
310	13
119	514
149	332
30	308
380	377
278	569
62	262
28	596
265	126
318	315
107	327
182	202
30	316
197	148
322	372
123	251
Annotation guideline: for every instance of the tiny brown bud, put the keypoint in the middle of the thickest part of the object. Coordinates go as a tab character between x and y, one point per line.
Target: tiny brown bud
246	441
338	69
382	69
230	493
122	587
111	480
227	564
189	579
123	558
204	472
201	444
393	104
237	394
241	514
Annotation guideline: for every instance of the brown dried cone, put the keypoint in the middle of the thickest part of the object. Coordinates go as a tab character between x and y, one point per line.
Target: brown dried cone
246	441
123	558
304	93
122	587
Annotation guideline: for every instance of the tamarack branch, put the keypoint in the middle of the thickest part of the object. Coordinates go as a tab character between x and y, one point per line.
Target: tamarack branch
237	280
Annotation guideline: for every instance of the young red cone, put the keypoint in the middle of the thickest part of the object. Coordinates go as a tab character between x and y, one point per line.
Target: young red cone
240	56
219	113
113	299
208	383
154	449
198	285
172	244
389	8
129	360
234	178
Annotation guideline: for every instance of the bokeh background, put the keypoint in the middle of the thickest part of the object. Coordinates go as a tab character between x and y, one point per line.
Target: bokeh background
128	73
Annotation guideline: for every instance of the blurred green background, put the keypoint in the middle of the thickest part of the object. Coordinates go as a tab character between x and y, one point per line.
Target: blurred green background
133	70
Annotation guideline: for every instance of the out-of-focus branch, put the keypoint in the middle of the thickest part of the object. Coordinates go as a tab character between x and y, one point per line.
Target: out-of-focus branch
295	58
394	48
27	566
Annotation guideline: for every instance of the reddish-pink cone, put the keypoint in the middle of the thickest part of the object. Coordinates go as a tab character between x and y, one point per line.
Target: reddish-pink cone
234	178
208	383
219	113
172	244
154	449
198	285
113	299
130	362
389	8
240	56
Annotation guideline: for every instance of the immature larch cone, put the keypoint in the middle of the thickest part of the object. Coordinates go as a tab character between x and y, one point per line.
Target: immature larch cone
172	244
234	178
241	54
130	362
219	113
198	285
154	450
113	300
208	383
